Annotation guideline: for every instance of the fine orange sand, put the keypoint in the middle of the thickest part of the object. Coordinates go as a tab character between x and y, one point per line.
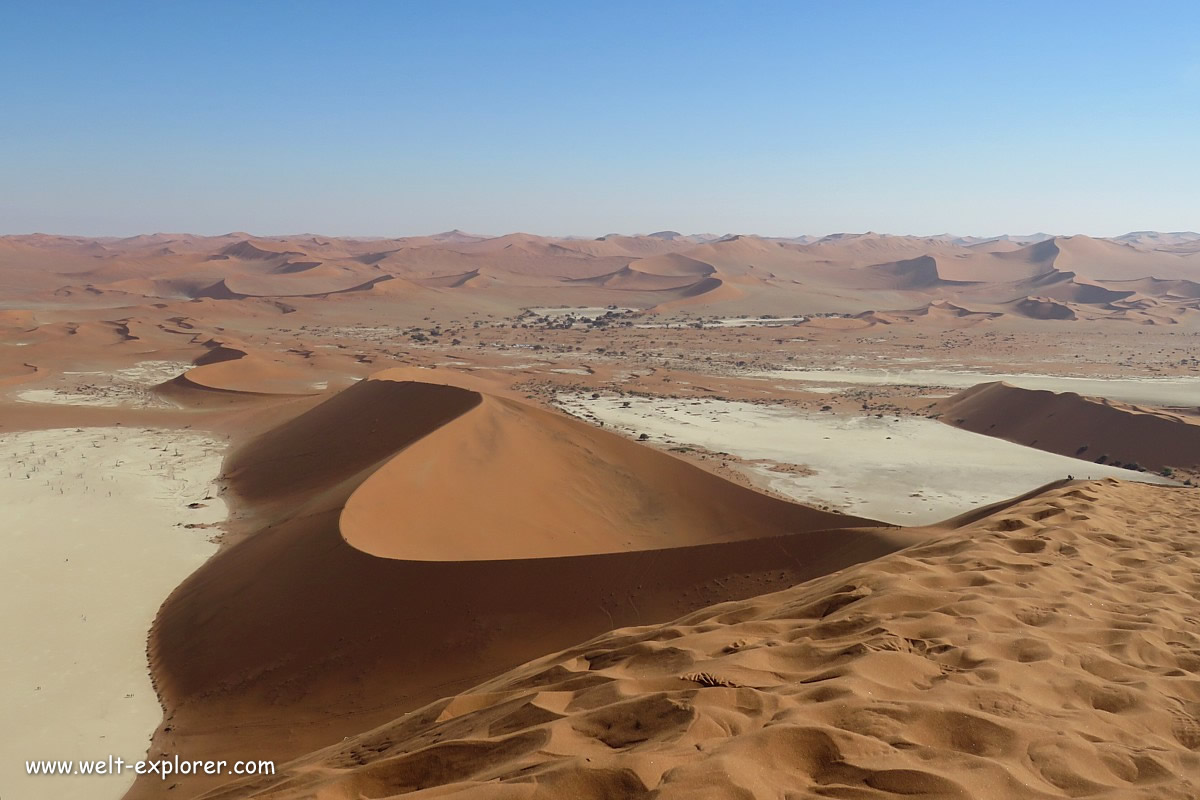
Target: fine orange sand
350	599
1083	427
1046	650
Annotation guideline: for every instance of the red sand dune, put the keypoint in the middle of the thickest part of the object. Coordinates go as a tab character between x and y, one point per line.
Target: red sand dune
1038	652
254	375
510	454
230	372
854	272
702	292
1042	308
1083	427
295	637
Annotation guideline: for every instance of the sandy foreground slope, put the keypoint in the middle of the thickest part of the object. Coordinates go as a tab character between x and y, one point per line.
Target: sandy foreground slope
1046	649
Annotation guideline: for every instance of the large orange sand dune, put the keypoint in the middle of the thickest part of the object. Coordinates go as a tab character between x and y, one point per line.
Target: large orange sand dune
296	636
1047	650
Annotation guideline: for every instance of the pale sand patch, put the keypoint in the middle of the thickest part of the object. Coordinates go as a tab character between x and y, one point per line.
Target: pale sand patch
580	312
127	387
92	544
149	373
728	322
111	395
815	389
906	471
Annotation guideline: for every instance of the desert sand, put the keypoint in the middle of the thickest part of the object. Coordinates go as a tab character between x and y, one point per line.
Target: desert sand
94	542
1043	651
1093	428
438	558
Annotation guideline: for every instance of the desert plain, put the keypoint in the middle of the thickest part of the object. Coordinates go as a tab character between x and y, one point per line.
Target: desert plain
640	516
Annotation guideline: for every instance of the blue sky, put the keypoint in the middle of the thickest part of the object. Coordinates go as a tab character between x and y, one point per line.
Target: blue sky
392	118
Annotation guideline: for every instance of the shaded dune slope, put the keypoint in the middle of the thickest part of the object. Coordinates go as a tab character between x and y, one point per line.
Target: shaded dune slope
706	290
1179	289
300	284
919	273
541	485
293	638
1073	425
1042	308
1048	650
231	373
251	375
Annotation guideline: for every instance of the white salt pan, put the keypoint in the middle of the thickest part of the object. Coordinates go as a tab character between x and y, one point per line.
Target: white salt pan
92	544
910	471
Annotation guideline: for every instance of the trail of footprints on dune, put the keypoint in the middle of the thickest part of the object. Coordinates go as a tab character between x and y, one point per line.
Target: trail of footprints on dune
1050	650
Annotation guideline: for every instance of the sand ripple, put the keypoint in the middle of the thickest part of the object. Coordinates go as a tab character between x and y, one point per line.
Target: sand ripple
1049	650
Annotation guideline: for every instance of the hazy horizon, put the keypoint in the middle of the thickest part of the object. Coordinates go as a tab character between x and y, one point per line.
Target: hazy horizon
647	232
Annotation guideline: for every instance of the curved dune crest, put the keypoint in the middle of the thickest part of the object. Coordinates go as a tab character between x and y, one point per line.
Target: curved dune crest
297	284
706	290
1000	660
1068	287
356	430
944	310
673	265
258	250
923	272
1091	428
1112	260
292	638
629	279
1176	289
232	369
254	375
505	480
